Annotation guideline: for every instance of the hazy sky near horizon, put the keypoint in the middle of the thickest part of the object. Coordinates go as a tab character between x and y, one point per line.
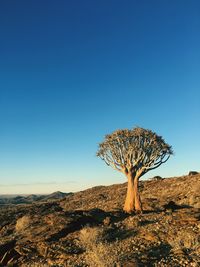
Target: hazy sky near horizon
73	71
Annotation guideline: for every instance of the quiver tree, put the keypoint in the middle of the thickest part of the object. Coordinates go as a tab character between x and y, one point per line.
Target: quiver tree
134	152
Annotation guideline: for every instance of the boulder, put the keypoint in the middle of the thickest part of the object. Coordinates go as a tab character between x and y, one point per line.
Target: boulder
157	178
192	173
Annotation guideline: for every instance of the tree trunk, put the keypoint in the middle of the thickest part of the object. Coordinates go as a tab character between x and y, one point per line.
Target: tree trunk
133	201
129	205
138	203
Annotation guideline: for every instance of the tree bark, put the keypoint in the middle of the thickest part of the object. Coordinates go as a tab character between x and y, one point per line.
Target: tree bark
129	205
138	203
133	201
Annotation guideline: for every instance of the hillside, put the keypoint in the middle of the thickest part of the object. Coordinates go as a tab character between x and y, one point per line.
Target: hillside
88	228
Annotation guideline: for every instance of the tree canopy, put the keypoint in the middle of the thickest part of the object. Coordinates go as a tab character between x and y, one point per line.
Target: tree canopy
136	150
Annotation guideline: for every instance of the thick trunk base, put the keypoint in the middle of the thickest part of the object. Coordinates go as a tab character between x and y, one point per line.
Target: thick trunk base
133	201
138	203
129	205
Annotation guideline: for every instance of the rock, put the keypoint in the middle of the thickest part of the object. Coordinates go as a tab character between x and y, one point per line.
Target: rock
191	173
131	263
107	221
7	253
157	178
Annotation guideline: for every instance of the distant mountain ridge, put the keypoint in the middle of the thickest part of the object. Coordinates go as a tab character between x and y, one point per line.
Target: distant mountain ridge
29	199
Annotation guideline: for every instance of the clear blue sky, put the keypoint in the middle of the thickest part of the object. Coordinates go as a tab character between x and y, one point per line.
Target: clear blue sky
72	71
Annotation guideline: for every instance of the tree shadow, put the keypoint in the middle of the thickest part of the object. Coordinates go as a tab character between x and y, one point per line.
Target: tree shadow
171	205
113	234
82	218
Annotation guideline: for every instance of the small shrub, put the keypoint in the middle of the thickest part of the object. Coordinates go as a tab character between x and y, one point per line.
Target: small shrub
22	223
99	253
90	236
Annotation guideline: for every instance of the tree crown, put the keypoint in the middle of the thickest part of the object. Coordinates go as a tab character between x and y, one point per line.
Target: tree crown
136	150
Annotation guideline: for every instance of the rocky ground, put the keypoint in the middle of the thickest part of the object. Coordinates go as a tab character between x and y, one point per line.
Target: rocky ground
88	228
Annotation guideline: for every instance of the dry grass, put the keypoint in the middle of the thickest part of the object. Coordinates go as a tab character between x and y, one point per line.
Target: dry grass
22	223
99	253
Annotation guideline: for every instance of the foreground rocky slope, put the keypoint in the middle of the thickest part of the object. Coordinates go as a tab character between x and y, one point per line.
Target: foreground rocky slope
88	228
